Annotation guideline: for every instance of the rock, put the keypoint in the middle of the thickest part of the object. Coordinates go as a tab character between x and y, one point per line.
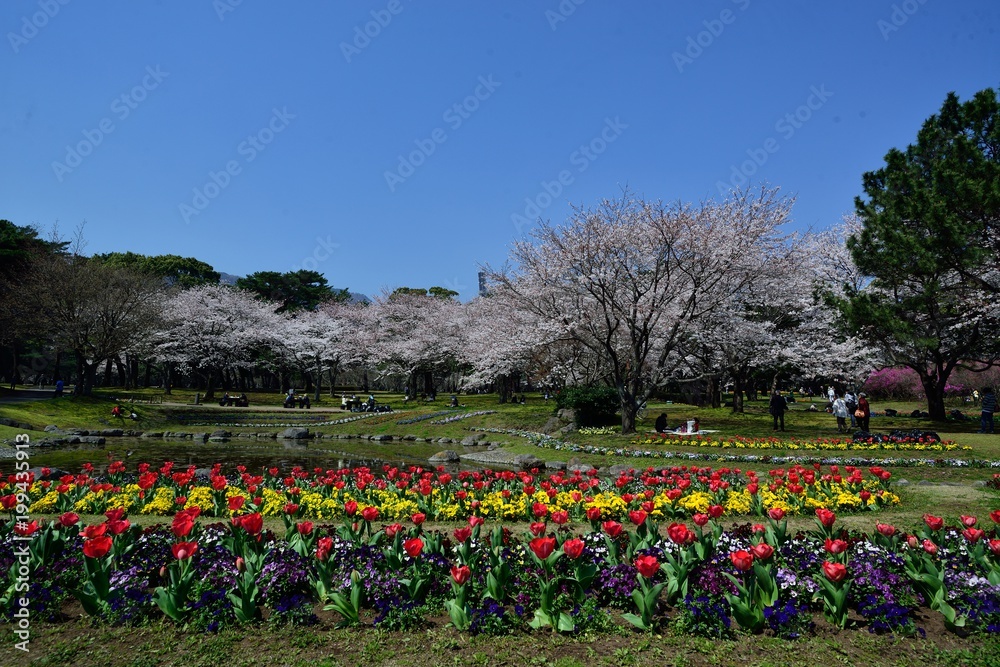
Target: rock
272	436
580	468
979	482
409	438
294	433
924	482
203	473
112	433
447	456
381	438
445	441
552	425
527	461
52	428
199	437
618	470
419	440
54	473
5	421
568	428
69	440
91	440
555	465
567	415
77	431
472	440
902	482
151	434
220	434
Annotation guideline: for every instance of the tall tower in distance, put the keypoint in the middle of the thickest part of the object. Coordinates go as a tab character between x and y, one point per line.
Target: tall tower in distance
482	283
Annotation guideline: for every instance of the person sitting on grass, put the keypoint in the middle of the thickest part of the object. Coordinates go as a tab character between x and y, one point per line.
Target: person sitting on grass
117	411
661	423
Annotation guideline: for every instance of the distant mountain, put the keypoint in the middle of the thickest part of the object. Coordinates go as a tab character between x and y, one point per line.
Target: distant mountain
358	297
228	278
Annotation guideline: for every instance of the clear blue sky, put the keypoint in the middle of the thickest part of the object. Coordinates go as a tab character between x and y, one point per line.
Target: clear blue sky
309	118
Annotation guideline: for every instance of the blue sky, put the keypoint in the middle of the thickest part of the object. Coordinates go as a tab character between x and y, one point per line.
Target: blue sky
274	136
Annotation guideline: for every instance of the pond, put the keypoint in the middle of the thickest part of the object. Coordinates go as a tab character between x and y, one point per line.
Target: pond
254	454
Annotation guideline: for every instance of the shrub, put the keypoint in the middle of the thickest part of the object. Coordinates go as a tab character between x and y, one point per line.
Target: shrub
594	406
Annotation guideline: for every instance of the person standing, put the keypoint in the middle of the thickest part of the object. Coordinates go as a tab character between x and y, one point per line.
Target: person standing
852	405
866	411
777	408
840	412
830	394
988	407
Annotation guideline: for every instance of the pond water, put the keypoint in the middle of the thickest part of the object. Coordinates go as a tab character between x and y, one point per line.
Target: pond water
255	455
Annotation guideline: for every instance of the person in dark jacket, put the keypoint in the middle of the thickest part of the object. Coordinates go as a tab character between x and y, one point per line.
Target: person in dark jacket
866	409
988	407
661	423
777	408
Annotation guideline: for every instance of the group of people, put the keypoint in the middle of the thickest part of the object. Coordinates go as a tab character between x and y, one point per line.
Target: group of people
240	401
660	424
291	400
844	407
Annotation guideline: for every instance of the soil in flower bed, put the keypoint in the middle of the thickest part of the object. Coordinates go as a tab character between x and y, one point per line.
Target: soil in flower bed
78	642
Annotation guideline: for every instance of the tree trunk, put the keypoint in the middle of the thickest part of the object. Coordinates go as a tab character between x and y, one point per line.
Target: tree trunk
333	380
737	393
319	381
716	391
123	377
934	391
168	378
57	375
210	386
107	373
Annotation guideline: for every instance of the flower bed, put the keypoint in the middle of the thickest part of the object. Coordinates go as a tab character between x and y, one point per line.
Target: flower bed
429	415
396	493
698	578
331	422
467	415
548	442
874	443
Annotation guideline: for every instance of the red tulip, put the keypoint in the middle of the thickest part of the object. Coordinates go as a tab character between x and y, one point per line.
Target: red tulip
638	517
885	529
968	521
995	516
647	566
463	534
835	572
27	529
758	528
418	518
461	574
835	546
994	546
742	560
543	546
184	550
594	513
679	533
350	507
930	547
291	508
762	551
715	511
538	528
912	542
933	522
323	548
612	528
235	503
476	521
776	513
825	516
700	520
91	532
305	527
560	518
252	523
573	548
97	547
539	510
392	529
369	514
8	502
68	519
973	534
116	514
241	564
182	525
413	546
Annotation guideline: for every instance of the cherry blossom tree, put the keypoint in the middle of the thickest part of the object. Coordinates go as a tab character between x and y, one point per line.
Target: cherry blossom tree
630	279
214	327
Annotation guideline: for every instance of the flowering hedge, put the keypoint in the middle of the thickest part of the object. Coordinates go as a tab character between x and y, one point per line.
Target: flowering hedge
696	577
397	493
